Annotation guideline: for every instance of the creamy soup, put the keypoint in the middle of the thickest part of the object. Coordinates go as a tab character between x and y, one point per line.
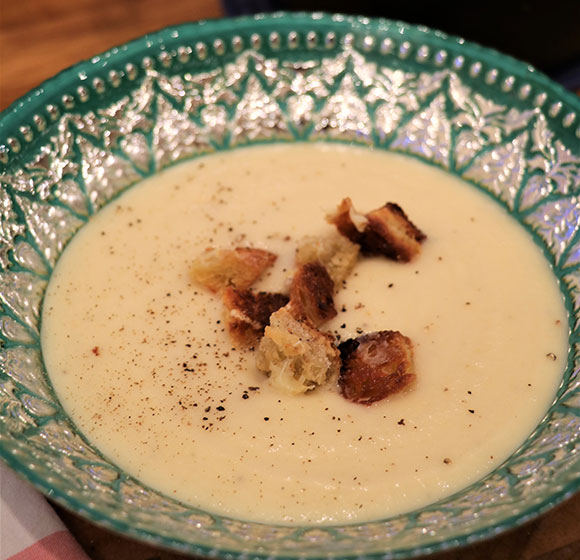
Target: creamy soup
141	359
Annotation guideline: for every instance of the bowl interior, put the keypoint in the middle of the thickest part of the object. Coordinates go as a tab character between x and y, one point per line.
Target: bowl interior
98	128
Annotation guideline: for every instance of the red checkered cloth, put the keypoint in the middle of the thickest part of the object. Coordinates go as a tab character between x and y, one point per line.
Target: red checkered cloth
29	527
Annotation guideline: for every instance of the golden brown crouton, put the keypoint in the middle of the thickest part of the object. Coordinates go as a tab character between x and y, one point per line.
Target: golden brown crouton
337	253
385	231
389	232
348	221
296	356
375	366
311	294
241	267
248	312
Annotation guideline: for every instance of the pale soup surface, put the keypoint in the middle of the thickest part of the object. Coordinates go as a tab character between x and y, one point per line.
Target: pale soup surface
142	361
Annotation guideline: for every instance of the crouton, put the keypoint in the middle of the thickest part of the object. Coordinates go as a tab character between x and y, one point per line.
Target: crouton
375	366
241	267
385	231
389	232
348	221
296	356
248	312
336	252
311	294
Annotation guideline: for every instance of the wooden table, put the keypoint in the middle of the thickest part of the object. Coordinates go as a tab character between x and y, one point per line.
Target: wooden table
38	38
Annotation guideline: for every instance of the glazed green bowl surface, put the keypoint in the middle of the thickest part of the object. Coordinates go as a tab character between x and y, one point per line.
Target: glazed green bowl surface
101	126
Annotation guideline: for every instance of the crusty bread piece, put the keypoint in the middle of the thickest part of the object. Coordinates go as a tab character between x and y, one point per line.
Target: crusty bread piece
248	313
335	251
385	231
241	267
375	366
296	356
348	221
389	232
311	294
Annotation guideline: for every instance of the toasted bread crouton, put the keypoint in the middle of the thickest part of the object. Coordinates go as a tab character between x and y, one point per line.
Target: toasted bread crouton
336	252
248	312
375	366
311	294
389	232
385	231
348	221
241	267
296	356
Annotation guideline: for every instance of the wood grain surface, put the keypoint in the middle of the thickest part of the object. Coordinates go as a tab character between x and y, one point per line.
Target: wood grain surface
38	38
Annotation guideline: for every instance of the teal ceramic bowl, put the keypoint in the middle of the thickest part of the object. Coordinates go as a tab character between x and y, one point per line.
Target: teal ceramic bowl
98	128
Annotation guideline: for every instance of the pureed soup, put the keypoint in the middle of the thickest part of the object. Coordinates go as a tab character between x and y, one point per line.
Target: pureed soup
141	359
